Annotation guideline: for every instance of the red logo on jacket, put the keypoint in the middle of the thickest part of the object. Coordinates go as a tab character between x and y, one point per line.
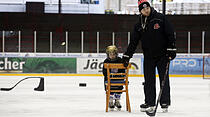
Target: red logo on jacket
156	26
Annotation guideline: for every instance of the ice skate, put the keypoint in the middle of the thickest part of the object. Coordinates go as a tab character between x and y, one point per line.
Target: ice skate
143	107
111	102
117	104
151	111
111	106
147	108
164	108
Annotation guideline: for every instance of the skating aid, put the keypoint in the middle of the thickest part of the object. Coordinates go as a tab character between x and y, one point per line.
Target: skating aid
152	114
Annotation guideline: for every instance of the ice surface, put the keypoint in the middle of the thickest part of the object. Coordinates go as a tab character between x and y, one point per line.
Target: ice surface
64	98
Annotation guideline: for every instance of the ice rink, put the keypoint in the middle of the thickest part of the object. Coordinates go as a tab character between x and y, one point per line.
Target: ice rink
64	98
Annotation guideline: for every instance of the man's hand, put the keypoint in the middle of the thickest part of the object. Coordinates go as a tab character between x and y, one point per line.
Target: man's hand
126	60
171	53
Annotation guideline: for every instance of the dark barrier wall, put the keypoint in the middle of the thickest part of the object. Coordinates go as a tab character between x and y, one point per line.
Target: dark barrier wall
91	22
105	24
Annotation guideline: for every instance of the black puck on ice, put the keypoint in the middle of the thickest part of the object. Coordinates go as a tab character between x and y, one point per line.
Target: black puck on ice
82	84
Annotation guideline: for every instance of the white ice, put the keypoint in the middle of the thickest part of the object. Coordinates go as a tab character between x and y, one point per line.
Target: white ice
64	98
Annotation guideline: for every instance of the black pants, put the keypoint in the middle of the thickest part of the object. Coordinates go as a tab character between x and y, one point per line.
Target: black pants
150	65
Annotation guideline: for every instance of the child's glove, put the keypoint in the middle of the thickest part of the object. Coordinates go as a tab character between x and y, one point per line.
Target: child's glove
126	60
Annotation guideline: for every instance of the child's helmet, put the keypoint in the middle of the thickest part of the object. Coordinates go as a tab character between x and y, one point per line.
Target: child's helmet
111	49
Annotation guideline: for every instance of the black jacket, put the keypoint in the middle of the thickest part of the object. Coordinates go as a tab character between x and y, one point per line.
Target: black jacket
117	60
156	37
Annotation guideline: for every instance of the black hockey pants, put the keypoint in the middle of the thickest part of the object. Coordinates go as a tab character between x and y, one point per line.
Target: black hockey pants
150	65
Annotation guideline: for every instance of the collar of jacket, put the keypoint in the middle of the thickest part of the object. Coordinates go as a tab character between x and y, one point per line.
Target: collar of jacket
153	12
149	18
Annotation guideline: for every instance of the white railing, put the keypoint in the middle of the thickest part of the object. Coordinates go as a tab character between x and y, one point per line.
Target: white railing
96	43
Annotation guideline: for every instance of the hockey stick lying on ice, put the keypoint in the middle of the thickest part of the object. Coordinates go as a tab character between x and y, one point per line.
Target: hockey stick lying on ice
152	113
39	88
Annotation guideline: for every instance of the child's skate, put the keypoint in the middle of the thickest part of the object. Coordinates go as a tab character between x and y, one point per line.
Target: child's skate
111	102
117	104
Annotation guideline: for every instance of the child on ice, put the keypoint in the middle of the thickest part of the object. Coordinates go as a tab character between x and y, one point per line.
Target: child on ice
112	57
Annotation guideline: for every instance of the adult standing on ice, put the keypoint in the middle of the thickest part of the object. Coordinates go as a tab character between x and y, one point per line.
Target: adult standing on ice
158	43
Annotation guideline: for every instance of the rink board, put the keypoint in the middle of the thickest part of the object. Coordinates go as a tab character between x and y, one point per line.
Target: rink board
130	75
61	64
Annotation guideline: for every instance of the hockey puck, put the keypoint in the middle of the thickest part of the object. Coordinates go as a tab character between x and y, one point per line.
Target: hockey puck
82	84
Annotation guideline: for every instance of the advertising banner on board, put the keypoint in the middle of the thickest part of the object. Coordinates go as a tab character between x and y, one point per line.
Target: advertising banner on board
193	66
95	65
37	65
